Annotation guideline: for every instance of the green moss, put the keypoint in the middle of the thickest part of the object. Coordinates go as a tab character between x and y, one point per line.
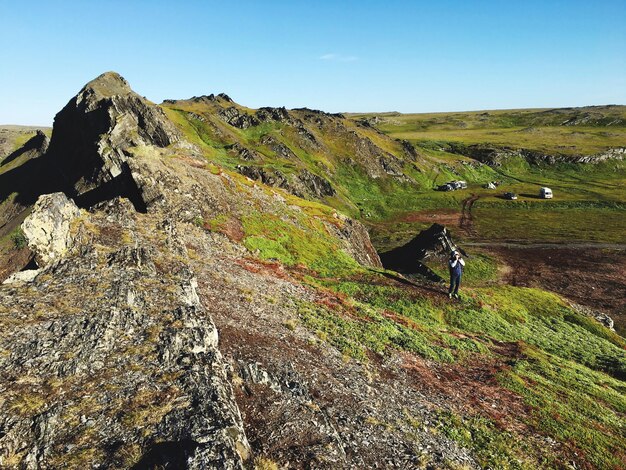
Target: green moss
479	269
369	331
540	319
579	407
570	371
494	448
293	244
18	238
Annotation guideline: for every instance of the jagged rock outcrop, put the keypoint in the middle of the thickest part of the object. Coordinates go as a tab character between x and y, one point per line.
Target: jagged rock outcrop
302	184
434	241
278	147
34	147
496	156
244	153
93	135
356	241
237	118
316	185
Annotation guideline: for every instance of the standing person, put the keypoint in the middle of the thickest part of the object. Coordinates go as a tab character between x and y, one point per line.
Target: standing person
456	265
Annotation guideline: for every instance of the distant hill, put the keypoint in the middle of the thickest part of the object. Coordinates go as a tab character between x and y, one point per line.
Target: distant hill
568	131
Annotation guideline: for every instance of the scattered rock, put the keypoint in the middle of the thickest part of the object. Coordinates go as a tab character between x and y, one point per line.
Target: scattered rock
597	315
237	118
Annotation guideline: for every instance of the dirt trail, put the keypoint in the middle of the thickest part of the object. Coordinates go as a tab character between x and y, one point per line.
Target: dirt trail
466	223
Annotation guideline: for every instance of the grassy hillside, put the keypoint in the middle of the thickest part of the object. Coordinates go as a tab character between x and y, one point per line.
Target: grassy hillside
515	374
388	182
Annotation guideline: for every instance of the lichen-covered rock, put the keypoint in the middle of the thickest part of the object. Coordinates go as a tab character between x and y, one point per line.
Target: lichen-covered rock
47	228
22	276
109	360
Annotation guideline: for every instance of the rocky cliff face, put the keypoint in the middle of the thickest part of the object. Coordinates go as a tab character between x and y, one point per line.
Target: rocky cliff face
496	156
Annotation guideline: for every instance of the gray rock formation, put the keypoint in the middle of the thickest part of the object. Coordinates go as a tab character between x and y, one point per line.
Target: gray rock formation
302	184
93	135
237	118
496	156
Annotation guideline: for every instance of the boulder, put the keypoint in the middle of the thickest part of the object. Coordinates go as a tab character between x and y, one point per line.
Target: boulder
47	228
435	241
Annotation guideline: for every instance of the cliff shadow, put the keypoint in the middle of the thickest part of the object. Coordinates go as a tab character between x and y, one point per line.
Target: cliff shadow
42	176
171	454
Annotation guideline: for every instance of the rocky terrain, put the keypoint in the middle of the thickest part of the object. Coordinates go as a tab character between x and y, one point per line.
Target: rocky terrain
184	287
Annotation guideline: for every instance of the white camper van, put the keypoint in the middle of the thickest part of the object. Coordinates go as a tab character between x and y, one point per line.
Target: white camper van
545	193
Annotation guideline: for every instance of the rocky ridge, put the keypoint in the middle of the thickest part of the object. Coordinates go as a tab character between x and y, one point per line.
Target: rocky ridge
112	356
496	156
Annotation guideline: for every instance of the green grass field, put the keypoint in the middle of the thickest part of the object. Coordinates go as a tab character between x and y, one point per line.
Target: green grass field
589	199
577	131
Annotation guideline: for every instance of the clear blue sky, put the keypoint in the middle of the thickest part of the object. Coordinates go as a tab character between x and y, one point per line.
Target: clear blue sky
408	56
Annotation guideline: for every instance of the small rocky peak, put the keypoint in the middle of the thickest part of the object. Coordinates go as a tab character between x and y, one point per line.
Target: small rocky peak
107	85
203	98
94	134
39	142
225	97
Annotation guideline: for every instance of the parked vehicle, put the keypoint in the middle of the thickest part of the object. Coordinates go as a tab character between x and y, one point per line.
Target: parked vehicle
545	193
490	185
510	196
452	186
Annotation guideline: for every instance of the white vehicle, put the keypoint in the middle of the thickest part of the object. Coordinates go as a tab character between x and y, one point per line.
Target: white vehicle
545	193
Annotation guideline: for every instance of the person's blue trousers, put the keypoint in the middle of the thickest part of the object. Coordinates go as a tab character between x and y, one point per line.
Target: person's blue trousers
455	282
